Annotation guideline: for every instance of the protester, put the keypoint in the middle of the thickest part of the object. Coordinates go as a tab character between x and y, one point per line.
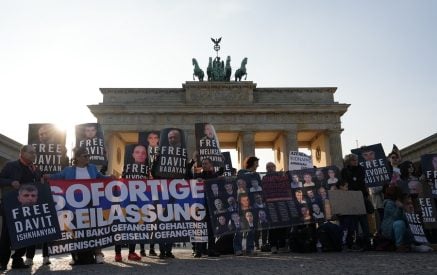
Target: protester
353	176
208	173
12	176
81	169
394	159
250	166
175	140
409	182
394	226
139	156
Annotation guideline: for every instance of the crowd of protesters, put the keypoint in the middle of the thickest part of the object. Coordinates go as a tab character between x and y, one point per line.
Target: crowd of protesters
389	202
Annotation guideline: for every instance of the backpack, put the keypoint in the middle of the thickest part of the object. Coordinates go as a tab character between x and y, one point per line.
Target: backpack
330	236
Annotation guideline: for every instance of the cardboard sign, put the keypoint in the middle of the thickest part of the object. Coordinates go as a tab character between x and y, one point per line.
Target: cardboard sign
347	202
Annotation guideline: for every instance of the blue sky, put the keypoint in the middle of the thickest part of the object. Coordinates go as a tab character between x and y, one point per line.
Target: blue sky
382	56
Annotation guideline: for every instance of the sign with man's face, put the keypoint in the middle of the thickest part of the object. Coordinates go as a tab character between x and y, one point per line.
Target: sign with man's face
30	215
372	158
90	136
49	144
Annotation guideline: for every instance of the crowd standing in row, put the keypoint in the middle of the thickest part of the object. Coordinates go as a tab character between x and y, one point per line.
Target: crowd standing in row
389	201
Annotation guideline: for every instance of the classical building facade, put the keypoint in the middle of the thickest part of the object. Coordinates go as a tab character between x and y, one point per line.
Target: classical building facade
244	116
9	150
413	152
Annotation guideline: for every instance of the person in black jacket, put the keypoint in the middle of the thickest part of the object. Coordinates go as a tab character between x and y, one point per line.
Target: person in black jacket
353	176
12	176
207	173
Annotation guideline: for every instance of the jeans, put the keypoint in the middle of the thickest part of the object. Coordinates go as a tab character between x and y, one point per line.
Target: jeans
399	232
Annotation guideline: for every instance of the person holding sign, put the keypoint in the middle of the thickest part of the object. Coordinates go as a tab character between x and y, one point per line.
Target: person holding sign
208	173
136	170
13	176
81	169
353	176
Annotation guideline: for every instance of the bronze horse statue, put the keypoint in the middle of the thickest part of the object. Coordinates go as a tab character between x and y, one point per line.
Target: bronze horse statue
241	71
197	71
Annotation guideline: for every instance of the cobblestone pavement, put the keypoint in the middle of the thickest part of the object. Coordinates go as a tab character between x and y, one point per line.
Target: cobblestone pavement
263	263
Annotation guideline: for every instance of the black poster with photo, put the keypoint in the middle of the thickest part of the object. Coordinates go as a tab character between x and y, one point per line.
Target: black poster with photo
429	169
221	194
416	227
172	162
372	158
151	140
135	162
426	205
228	164
31	215
90	136
310	192
207	145
49	143
251	202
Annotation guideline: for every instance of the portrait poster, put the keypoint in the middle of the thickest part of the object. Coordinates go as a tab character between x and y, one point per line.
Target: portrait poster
372	158
228	164
415	224
236	204
90	136
298	161
429	169
151	140
173	160
309	189
207	145
31	215
136	165
347	202
100	213
221	198
49	143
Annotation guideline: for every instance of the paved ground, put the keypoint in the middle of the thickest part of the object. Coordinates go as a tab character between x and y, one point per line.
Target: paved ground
263	263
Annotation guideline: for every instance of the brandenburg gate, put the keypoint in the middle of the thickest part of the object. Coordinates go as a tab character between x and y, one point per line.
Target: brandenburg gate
245	116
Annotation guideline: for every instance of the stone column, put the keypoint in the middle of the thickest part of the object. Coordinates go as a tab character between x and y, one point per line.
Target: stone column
335	147
190	143
110	150
291	144
248	145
